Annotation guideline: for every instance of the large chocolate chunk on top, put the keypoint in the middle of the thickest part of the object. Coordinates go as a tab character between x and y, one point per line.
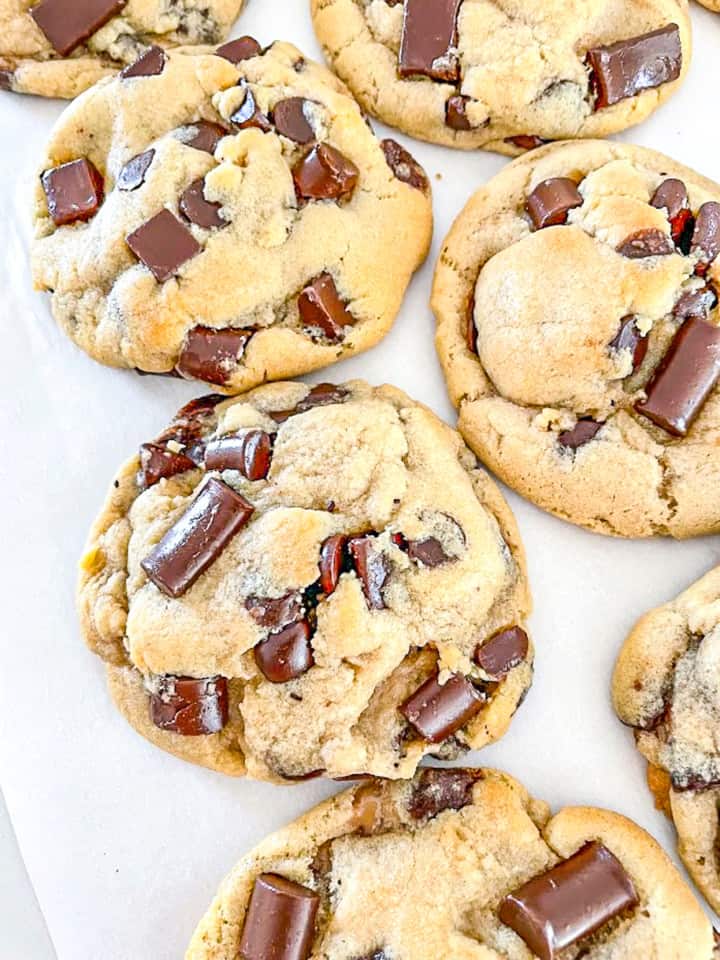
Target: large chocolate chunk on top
190	707
552	200
285	655
325	174
503	651
706	236
197	538
158	463
373	569
569	902
438	790
429	36
205	135
404	166
74	191
244	48
438	710
150	64
291	120
68	23
163	244
280	920
196	209
628	67
250	454
133	173
320	306
212	355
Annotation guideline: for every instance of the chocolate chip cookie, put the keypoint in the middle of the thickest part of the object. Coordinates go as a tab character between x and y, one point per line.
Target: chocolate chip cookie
458	863
227	217
309	580
504	75
667	687
578	326
58	48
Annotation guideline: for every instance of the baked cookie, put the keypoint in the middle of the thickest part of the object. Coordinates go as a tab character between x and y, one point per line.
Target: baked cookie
58	48
667	686
459	864
228	216
506	75
711	4
576	299
309	580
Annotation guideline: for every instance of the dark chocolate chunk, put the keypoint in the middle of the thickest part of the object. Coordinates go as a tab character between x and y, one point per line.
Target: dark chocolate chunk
275	613
696	303
373	569
249	115
197	538
133	173
204	135
150	64
428	552
325	174
163	244
628	67
67	25
570	901
503	651
320	396
212	355
429	36
672	196
191	422
437	711
471	334
280	920
687	782
583	432
249	453
646	243
525	141
629	338
404	166
74	191
551	201
287	654
685	377
158	463
195	208
456	113
437	790
291	121
706	237
244	48
332	555
320	306
6	79
190	707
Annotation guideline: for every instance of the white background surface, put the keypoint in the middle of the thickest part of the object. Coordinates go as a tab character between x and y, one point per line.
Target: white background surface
125	845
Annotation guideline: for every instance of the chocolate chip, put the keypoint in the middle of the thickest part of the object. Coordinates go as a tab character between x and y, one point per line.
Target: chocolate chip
525	141
249	115
291	121
163	244
190	424
583	432
197	538
325	174
204	135
436	790
375	955
626	68
150	64
404	166
133	173
672	197
429	37
471	334
428	552
195	208
320	306
551	201
6	79
629	338
244	48
249	453
456	112
287	654
372	568
212	355
685	377
280	920
706	238
696	303
275	613
437	711
502	652
74	191
320	396
332	555
646	243
570	901
190	707
687	782
158	463
67	25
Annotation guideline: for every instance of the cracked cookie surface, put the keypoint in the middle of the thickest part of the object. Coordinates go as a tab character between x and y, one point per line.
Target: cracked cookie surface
502	74
231	222
578	330
667	687
299	581
68	46
425	868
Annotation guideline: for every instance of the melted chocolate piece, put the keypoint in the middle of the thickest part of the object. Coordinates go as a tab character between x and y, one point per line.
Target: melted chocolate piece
332	556
372	568
325	174
67	25
320	396
287	654
197	538
150	64
429	36
250	454
204	136
437	790
195	208
74	191
630	338
526	141
212	355
280	920
190	707
133	173
570	901
646	243
404	166
686	782
628	67
290	120
583	432
320	306
437	711
706	237
471	334
551	201
6	79
158	463
456	112
275	613
428	552
163	244
696	303
685	378
502	652
244	48
672	196
248	114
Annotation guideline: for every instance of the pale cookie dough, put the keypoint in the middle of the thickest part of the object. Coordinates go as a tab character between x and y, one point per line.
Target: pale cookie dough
252	226
515	74
418	870
540	331
667	686
317	641
30	64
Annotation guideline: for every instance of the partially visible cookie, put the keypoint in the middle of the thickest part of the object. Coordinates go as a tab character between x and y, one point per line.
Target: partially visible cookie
58	48
711	4
504	75
306	580
578	326
226	216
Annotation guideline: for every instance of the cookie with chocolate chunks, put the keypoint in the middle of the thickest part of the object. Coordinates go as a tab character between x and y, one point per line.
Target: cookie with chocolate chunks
505	76
576	298
222	239
318	555
386	870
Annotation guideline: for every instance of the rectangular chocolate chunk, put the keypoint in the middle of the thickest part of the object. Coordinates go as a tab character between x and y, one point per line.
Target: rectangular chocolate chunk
628	67
163	244
438	710
280	920
68	23
429	35
74	191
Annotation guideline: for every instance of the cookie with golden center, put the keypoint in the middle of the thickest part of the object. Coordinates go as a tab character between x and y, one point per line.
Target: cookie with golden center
309	580
225	216
456	863
576	301
58	48
667	687
506	75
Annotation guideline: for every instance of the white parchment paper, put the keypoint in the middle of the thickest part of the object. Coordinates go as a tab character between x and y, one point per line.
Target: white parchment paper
125	845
